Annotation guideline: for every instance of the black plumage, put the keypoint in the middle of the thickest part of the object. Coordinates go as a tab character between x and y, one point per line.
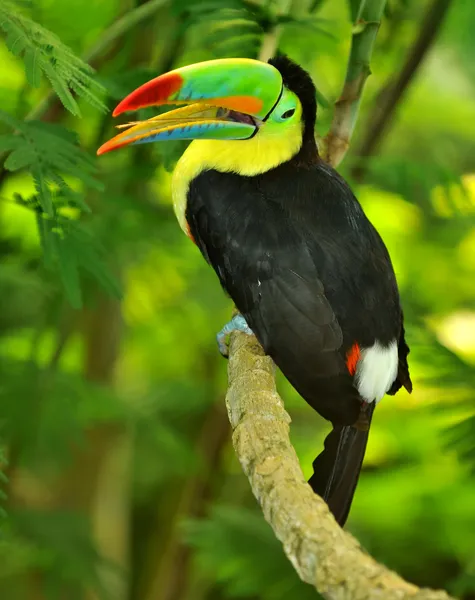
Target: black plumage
312	277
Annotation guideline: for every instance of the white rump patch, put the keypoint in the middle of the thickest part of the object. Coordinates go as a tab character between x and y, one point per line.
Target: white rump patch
376	371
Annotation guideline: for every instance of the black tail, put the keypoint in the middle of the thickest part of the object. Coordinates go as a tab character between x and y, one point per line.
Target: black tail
337	468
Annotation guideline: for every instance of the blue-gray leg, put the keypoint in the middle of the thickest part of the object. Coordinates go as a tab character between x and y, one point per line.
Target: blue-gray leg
237	323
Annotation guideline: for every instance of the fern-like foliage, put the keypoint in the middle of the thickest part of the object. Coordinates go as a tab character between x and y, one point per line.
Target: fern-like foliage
233	27
71	249
47	150
54	159
236	27
44	53
447	371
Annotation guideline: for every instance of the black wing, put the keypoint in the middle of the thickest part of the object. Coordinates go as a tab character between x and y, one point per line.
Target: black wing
266	259
311	276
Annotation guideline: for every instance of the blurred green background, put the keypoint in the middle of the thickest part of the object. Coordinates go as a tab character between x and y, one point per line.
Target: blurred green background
119	477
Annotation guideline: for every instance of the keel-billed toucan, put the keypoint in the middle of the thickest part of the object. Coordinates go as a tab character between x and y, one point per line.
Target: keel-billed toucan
288	240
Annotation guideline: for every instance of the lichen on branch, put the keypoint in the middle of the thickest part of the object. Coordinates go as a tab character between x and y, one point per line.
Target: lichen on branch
322	553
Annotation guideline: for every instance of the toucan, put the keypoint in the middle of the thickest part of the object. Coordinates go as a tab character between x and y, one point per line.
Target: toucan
307	271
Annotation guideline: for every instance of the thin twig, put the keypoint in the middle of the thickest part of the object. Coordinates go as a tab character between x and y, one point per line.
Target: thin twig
322	553
383	110
365	30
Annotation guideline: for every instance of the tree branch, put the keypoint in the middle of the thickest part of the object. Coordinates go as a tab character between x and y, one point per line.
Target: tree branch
322	553
391	95
365	30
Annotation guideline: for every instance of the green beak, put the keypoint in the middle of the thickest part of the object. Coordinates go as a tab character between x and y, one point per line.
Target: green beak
226	99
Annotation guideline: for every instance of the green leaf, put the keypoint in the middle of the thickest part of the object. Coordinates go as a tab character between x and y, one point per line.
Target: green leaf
9	142
50	151
43	52
89	255
48	242
12	122
70	196
52	155
15	41
61	89
41	186
32	67
21	158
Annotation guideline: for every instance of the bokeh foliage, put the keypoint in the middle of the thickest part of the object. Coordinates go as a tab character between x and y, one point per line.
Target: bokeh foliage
117	469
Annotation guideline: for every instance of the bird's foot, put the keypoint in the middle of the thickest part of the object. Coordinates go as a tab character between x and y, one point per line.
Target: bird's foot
237	323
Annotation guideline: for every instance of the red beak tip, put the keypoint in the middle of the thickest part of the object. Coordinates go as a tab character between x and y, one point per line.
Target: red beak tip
104	148
112	144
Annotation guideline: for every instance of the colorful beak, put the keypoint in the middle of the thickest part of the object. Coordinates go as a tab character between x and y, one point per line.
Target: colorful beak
224	99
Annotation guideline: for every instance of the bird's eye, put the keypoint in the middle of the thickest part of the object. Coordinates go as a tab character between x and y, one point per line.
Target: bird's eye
288	113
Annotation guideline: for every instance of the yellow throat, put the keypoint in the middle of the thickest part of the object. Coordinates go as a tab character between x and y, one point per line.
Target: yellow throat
266	150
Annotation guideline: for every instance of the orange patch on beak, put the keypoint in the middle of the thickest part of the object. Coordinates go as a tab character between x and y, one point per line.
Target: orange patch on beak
242	104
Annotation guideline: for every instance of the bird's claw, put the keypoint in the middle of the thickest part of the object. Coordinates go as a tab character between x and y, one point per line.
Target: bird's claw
237	323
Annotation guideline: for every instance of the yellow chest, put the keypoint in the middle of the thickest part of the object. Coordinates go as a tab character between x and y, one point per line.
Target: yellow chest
244	157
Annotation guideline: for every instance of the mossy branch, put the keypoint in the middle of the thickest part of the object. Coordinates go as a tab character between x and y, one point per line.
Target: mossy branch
322	553
365	30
